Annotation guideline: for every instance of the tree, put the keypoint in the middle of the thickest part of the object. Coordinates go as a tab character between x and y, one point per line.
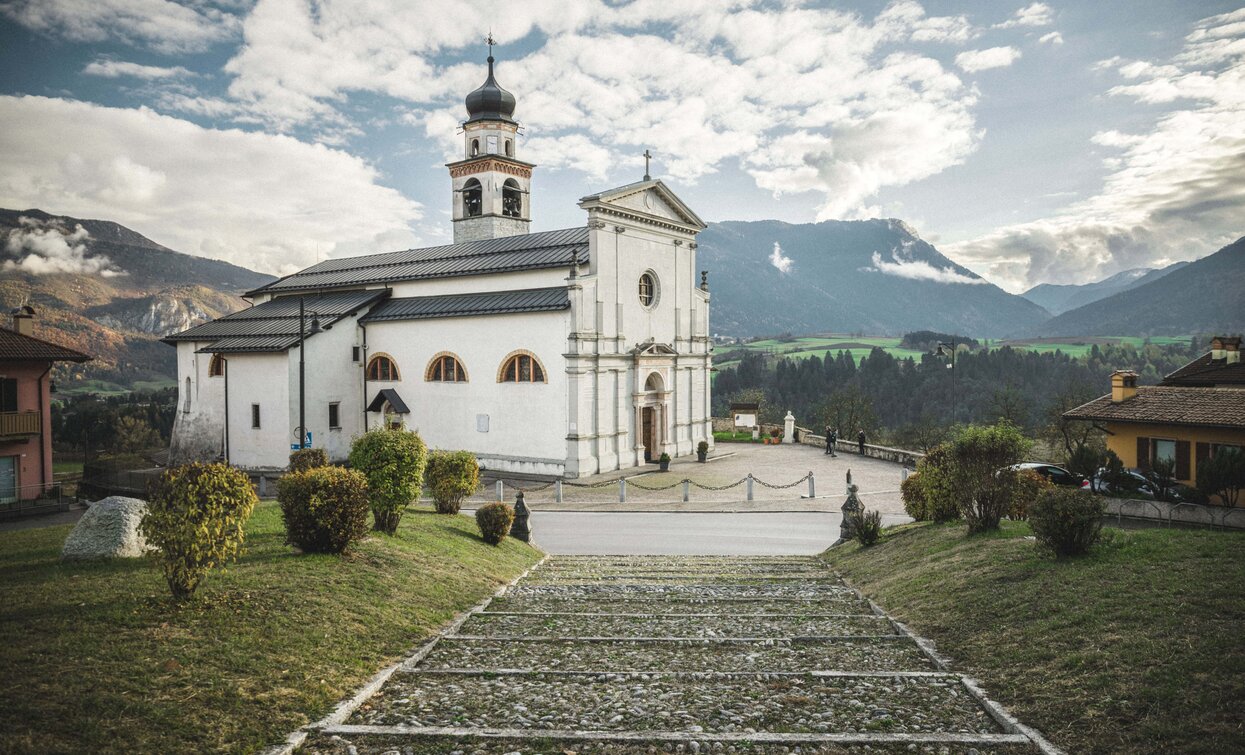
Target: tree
1010	404
1223	475
849	409
923	435
132	434
393	462
1163	475
978	472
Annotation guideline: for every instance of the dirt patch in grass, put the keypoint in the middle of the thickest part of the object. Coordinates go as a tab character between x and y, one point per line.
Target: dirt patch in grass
95	658
1135	648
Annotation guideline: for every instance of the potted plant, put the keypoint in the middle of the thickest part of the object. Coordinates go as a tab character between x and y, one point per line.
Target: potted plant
702	451
664	462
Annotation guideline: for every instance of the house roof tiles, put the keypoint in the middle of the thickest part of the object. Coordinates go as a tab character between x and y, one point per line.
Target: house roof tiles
1205	371
1170	405
21	348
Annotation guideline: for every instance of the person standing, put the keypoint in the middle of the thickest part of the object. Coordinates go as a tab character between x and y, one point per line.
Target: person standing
833	441
860	440
829	442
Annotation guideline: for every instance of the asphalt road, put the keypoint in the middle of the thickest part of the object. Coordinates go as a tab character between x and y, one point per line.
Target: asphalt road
584	533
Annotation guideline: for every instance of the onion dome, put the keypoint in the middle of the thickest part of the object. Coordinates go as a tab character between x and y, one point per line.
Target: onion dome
490	102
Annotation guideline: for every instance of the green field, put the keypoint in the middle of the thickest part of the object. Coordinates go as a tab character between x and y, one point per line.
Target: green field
860	346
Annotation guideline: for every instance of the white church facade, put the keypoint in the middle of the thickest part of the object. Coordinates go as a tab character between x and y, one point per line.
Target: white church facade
560	353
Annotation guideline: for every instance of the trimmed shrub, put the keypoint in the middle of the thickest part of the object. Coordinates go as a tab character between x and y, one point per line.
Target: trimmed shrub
934	473
195	518
973	472
1066	522
324	509
308	458
702	447
451	476
912	491
1029	485
494	520
393	461
868	526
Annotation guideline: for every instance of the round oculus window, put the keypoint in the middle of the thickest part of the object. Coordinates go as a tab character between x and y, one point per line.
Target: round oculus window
648	289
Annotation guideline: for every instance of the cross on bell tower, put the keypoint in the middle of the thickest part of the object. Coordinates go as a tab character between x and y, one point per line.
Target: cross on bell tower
647	156
492	187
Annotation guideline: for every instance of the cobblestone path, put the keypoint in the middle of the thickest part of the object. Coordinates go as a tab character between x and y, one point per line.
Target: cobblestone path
620	655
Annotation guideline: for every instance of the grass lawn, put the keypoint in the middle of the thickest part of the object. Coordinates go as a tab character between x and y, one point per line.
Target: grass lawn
1135	648
96	659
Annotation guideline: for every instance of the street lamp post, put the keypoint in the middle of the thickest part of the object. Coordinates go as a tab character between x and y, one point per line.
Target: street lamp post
303	332
943	350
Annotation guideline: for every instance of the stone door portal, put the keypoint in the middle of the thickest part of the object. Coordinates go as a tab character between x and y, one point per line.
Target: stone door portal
649	432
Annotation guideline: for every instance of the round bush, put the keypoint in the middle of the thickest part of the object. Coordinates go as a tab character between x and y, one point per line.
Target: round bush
494	520
452	476
195	519
324	509
308	458
1065	521
912	492
934	477
1029	485
867	526
393	462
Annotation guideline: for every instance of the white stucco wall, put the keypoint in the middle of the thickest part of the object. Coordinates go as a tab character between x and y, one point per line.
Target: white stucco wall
332	376
199	426
259	379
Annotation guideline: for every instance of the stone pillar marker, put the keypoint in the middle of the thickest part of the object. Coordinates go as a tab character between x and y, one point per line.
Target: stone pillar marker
847	529
788	428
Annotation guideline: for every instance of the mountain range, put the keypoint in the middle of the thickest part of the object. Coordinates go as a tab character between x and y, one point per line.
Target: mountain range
105	289
1057	299
102	288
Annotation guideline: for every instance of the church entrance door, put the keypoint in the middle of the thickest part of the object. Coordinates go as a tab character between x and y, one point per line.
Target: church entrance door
649	433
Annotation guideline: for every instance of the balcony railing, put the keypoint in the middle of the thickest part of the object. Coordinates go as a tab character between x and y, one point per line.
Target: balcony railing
17	424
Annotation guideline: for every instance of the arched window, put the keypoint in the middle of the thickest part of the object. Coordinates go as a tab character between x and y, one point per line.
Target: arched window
648	289
654	383
475	147
473	199
216	367
521	367
382	367
509	148
445	368
511	199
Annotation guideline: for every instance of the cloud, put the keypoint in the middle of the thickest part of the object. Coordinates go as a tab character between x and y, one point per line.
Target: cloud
705	87
973	61
267	202
1172	193
112	69
780	261
1054	39
43	248
920	270
1035	14
160	25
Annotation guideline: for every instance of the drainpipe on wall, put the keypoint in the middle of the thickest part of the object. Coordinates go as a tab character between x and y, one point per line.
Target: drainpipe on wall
363	361
226	361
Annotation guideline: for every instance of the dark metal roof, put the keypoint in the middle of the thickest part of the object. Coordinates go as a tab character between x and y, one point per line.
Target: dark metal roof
490	102
390	395
463	305
273	325
16	347
549	249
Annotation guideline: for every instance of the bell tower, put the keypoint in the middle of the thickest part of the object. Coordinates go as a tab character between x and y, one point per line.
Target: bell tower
492	187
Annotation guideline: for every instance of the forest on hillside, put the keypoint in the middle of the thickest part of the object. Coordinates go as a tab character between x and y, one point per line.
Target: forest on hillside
913	404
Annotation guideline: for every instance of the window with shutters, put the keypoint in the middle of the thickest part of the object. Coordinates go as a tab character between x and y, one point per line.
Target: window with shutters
445	368
521	367
8	395
382	367
1162	450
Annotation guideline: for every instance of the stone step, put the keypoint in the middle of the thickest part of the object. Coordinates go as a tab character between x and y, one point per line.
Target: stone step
537	577
743	606
692	703
624	625
353	741
889	654
700	591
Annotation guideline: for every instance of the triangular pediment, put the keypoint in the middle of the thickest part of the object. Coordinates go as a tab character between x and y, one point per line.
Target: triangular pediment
653	349
646	200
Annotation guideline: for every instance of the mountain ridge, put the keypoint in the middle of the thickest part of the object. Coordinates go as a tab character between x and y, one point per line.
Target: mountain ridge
1059	298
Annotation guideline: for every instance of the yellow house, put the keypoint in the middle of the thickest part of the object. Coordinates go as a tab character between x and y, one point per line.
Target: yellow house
1186	418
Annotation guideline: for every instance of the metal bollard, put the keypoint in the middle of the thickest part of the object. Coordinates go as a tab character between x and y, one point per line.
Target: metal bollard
686	491
263	486
812	487
521	530
557	490
622	490
501	491
749	486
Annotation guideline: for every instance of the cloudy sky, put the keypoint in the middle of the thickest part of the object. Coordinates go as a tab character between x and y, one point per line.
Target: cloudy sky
1033	142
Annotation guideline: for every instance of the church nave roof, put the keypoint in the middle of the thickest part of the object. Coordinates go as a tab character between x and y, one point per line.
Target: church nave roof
532	251
465	305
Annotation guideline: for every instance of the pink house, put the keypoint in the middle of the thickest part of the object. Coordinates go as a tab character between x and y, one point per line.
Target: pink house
25	408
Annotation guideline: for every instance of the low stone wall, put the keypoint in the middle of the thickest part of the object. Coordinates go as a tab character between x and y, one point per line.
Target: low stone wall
1177	513
885	453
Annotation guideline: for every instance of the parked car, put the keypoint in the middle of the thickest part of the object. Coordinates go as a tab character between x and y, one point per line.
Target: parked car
1135	483
1056	474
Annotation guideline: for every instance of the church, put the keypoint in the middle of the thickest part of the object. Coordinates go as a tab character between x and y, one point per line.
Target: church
560	353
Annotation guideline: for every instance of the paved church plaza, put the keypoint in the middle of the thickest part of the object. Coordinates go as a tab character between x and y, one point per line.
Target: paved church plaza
730	462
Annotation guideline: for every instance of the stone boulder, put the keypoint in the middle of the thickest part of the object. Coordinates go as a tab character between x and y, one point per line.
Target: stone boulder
108	529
